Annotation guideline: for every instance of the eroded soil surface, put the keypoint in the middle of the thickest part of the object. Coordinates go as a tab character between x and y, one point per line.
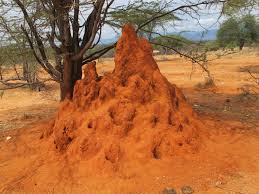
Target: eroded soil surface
226	163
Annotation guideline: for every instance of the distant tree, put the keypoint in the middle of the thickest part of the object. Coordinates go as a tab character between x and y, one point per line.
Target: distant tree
228	33
163	42
236	32
210	45
14	48
10	56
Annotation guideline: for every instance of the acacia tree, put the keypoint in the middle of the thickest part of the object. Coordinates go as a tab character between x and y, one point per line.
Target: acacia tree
140	12
234	7
241	25
237	32
73	27
13	47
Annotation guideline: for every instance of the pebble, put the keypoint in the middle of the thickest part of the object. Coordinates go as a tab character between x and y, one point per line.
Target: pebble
8	138
218	183
187	190
169	190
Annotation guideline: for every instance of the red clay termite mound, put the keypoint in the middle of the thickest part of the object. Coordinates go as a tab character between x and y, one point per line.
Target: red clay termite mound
131	113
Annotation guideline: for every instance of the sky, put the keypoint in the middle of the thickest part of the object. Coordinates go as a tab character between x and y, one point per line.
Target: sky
208	19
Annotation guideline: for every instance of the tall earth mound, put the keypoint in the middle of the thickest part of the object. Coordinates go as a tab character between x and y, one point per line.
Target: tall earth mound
129	114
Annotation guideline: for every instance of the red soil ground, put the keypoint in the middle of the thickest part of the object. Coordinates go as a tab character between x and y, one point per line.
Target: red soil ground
130	131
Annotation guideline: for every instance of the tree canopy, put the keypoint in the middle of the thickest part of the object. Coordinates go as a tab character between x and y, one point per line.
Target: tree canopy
140	12
233	7
238	31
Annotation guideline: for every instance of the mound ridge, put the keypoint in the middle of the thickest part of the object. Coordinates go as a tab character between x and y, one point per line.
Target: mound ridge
131	113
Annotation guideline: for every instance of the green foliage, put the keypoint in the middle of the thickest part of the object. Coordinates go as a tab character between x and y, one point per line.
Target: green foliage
237	32
249	28
12	54
228	33
211	45
233	7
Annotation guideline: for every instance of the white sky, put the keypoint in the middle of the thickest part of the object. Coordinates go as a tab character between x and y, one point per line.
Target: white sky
208	20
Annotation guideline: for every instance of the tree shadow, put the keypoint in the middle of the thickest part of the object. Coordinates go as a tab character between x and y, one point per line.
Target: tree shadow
241	107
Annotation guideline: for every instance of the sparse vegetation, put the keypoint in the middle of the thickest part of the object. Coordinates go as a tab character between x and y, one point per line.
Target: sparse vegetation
208	83
211	45
238	32
162	43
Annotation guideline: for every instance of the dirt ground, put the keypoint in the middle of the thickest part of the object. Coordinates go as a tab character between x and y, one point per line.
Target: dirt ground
227	163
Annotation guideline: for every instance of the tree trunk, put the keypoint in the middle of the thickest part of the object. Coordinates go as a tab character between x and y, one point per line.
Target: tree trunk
241	44
62	91
67	78
25	70
72	73
1	75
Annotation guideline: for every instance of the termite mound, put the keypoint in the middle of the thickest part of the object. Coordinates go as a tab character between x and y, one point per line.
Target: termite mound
131	113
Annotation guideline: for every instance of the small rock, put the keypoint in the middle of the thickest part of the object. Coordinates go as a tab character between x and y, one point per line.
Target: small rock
8	138
218	183
187	190
169	190
227	100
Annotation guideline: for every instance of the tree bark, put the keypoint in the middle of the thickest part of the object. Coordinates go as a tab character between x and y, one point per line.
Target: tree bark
62	91
72	73
241	44
1	75
67	78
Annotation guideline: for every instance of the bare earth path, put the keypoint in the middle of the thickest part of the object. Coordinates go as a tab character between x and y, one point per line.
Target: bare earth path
228	162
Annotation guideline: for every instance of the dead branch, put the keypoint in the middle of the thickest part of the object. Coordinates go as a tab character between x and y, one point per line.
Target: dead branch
10	86
189	6
192	59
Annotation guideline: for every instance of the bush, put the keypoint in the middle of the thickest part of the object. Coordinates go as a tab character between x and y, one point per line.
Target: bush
208	83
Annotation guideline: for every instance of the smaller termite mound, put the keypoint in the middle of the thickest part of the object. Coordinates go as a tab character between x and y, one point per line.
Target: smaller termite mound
132	112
